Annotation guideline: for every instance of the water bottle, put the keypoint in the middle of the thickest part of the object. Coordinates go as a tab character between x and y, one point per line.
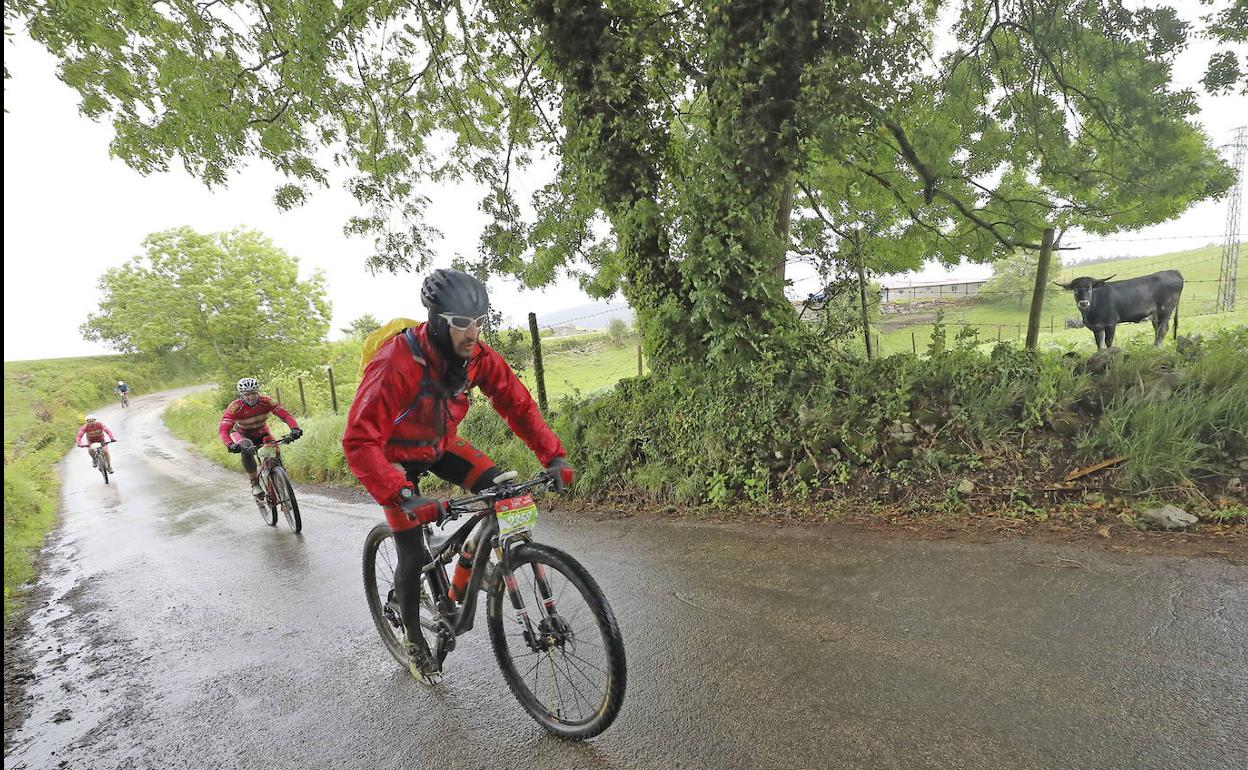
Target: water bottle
463	569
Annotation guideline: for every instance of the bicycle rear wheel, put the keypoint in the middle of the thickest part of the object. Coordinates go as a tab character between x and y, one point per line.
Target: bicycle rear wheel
380	559
565	665
286	499
103	465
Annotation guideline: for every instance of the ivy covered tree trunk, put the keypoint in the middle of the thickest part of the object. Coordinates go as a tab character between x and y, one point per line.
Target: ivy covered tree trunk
756	53
784	216
725	298
615	135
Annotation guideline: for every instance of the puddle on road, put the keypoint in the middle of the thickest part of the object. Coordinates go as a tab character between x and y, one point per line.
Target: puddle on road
70	691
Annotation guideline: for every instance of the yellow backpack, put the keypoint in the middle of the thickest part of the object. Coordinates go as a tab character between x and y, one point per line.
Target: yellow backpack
379	337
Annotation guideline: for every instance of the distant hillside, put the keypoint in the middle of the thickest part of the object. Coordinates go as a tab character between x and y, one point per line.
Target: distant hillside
1175	260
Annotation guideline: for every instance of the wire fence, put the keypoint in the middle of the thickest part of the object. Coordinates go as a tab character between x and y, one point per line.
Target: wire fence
884	335
568	321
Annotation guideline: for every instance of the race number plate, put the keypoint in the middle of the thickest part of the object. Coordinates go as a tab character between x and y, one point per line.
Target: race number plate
515	515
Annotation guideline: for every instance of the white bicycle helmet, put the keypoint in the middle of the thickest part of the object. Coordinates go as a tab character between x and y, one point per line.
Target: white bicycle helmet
248	385
90	418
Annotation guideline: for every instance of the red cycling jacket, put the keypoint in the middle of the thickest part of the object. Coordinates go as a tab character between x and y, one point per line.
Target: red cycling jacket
403	413
93	433
251	421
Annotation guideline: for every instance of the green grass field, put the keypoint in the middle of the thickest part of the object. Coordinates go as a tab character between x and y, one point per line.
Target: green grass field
1005	318
585	369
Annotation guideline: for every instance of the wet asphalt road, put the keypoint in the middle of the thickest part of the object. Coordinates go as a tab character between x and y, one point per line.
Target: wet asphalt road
179	631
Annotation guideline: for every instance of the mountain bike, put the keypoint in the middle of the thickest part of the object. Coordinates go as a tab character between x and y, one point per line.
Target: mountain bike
555	637
98	459
278	492
125	399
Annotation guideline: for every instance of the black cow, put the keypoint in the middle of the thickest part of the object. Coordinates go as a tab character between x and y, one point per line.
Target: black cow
1104	305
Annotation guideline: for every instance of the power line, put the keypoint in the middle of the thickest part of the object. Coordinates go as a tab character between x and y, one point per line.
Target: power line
567	321
1141	240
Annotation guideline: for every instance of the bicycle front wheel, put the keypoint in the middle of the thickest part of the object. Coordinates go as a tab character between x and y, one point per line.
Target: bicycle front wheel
286	499
103	466
267	504
557	642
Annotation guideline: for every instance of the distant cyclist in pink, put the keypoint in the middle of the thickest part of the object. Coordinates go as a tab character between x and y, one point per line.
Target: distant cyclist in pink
245	424
94	431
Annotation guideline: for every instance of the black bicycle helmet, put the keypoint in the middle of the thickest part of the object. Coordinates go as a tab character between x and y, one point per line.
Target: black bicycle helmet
456	293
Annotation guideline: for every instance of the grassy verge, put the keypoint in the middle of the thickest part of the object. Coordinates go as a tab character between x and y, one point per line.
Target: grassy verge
44	402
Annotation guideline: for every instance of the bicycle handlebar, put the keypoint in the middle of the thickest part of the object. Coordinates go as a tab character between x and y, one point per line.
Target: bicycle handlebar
460	506
257	447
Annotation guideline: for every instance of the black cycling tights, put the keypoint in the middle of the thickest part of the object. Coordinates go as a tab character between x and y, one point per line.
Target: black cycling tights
413	556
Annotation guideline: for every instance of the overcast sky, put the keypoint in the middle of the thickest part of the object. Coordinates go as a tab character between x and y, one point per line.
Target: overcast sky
71	212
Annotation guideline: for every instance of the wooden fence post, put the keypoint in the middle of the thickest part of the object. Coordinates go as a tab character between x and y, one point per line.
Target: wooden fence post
333	391
303	401
539	372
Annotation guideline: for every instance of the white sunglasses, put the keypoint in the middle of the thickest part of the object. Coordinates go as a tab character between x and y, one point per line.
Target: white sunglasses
462	322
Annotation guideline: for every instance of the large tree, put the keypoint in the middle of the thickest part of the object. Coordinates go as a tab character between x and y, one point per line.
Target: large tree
679	131
1041	113
232	300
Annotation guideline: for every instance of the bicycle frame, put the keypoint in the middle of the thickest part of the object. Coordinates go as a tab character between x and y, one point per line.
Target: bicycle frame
461	618
269	460
265	463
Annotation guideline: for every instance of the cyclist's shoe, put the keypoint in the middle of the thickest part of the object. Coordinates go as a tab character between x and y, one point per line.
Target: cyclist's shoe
256	491
94	464
419	665
110	469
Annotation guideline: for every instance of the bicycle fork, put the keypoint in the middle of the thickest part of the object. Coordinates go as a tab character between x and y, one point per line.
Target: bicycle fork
538	638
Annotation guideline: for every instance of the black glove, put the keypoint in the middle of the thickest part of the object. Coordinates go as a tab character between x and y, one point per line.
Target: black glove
234	448
561	474
295	433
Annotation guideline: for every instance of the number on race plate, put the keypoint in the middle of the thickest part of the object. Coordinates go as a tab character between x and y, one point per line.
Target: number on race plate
516	515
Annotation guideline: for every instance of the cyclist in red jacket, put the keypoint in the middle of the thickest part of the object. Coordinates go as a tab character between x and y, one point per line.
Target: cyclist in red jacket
94	431
244	425
402	424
